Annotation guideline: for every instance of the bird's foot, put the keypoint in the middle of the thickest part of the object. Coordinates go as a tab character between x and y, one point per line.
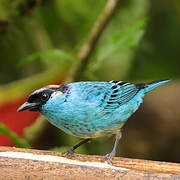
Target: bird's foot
108	158
69	152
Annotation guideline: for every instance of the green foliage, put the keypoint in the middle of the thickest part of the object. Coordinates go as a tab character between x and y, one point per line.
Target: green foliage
33	131
125	39
19	142
78	19
52	56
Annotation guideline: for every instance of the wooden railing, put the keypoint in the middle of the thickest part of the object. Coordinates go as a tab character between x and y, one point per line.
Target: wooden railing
16	163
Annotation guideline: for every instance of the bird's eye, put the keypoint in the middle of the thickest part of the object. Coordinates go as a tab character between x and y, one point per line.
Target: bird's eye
44	96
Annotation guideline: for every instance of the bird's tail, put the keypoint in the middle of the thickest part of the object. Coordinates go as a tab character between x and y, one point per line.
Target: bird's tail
150	86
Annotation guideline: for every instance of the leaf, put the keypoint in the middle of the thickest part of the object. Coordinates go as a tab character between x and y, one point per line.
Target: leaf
115	52
51	56
19	142
120	42
125	39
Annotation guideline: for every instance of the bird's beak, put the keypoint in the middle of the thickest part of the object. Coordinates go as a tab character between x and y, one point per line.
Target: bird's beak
28	106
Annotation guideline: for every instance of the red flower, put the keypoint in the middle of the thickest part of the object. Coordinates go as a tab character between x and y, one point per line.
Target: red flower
15	121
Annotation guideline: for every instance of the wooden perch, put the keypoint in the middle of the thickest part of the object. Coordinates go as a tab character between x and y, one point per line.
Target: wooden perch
16	163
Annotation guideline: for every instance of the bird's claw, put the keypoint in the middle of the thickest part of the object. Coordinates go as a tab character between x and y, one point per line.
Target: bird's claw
69	152
108	158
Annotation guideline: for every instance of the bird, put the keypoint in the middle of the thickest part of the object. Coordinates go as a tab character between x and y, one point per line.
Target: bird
89	109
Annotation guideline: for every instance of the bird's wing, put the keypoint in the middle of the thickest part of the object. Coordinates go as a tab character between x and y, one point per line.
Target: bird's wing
93	92
121	93
107	95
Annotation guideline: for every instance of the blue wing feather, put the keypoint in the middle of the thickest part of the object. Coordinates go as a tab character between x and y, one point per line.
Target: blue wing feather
121	93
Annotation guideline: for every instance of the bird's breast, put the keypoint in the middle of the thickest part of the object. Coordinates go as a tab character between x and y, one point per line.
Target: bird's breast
85	119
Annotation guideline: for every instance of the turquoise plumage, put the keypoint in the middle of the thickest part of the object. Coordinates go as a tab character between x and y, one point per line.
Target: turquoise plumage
89	109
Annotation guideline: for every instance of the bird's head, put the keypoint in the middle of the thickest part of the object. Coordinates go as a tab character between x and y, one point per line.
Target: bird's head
41	97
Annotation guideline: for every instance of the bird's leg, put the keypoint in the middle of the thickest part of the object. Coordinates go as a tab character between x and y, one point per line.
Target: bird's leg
109	156
72	148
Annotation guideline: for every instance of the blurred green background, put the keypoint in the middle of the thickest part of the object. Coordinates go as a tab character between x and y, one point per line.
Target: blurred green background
40	41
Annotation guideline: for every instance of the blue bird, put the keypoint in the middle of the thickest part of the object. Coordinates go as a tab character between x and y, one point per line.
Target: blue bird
89	109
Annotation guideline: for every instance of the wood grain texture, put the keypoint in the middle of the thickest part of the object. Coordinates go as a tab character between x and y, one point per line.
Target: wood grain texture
80	167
